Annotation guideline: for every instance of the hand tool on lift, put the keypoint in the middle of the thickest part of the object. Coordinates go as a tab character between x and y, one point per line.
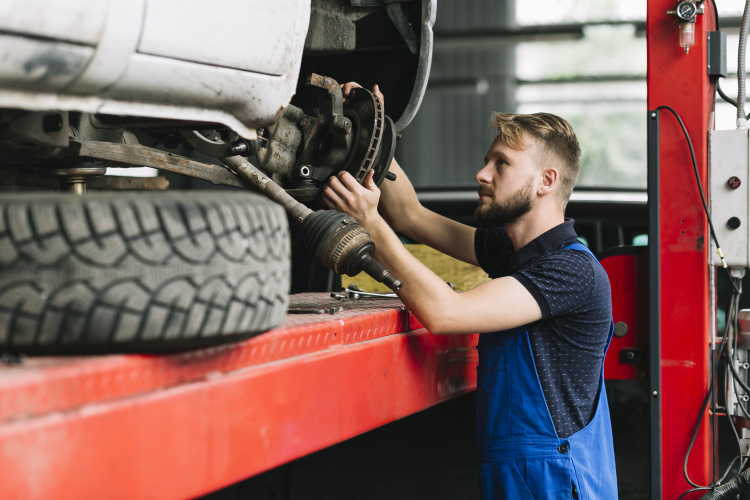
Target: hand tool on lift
354	293
335	239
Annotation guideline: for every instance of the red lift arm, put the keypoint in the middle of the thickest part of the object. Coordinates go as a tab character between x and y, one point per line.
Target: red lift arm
183	425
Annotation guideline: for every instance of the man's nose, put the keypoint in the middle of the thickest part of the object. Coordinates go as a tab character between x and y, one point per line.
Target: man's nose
484	176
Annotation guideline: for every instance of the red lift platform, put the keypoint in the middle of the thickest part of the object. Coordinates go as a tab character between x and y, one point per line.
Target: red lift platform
183	425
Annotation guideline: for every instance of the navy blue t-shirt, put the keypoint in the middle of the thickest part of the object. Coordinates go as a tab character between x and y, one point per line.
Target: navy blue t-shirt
569	342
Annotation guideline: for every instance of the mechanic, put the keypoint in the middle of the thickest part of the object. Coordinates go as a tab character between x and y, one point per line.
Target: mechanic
545	317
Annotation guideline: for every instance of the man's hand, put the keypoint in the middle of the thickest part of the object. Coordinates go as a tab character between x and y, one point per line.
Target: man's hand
345	194
400	207
346	89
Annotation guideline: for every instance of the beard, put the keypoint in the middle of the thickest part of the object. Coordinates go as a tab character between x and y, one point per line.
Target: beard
509	211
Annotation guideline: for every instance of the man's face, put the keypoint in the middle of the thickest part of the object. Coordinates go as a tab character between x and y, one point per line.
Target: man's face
506	184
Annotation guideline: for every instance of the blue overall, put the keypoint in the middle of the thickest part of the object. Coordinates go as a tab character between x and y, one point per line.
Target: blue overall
520	455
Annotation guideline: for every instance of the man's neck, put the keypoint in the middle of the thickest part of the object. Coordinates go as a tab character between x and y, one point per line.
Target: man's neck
531	226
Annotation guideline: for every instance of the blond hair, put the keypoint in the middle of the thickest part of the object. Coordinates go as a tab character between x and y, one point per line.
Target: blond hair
556	140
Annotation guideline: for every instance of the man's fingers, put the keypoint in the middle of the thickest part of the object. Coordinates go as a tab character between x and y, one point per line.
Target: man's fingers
378	94
348	181
336	197
347	87
336	186
330	198
340	185
369	182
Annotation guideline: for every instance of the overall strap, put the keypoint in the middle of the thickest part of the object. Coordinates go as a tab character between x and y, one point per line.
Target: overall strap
580	246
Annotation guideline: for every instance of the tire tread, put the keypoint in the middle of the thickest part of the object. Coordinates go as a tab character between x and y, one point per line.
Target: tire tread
139	272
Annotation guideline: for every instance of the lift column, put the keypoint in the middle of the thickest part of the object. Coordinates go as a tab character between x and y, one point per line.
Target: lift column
679	246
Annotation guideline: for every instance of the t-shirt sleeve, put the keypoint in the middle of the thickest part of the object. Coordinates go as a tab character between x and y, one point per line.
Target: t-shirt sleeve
493	248
561	282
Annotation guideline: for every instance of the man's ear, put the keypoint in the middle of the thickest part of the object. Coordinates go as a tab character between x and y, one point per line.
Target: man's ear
550	178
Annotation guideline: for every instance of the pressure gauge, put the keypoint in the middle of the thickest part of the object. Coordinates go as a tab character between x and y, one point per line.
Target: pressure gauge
687	11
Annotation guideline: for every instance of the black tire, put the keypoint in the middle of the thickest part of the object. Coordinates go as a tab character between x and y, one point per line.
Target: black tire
124	272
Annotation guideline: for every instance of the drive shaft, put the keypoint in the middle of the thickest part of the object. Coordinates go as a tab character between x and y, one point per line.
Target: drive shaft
334	238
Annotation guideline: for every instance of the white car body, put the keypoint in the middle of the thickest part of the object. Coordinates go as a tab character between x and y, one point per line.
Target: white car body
233	62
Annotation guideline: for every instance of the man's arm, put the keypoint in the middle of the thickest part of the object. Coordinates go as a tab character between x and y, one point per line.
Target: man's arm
499	304
401	208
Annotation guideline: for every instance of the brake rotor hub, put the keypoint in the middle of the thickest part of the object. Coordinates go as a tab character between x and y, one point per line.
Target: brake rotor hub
355	136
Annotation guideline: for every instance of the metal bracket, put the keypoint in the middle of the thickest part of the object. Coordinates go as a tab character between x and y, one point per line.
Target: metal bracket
632	356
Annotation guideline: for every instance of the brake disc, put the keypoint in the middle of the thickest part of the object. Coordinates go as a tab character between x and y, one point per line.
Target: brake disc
374	136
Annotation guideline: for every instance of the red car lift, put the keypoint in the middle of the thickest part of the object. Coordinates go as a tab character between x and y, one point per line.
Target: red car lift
182	425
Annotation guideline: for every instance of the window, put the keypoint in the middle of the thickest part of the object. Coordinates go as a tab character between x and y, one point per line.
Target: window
597	83
585	60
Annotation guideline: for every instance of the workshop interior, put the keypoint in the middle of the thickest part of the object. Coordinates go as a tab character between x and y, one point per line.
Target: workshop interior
182	317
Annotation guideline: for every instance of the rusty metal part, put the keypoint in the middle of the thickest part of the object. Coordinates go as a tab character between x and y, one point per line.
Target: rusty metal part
32	128
366	111
26	180
122	183
324	82
216	147
284	137
355	136
137	155
335	239
267	186
339	243
125	155
74	178
328	133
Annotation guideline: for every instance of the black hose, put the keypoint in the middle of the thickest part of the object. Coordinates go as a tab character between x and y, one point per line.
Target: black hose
731	306
732	368
741	481
738	484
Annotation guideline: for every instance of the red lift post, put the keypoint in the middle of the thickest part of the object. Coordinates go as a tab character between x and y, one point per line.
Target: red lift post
679	245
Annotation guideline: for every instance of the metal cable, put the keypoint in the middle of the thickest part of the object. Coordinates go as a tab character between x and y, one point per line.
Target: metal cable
733	301
700	420
741	75
700	189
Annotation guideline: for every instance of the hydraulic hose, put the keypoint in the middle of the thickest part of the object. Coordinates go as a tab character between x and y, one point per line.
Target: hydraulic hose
741	75
738	484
